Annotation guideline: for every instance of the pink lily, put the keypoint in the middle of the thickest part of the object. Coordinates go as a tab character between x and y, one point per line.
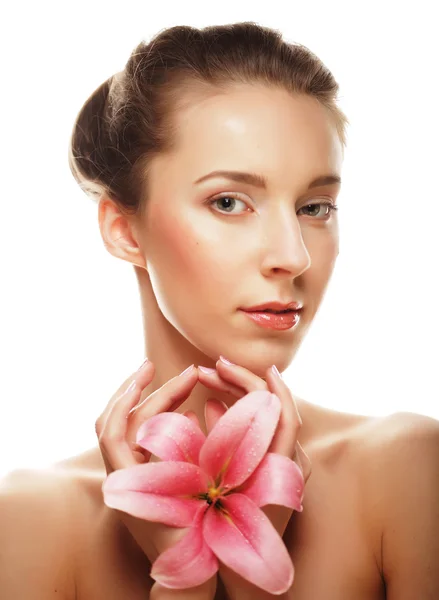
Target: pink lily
215	486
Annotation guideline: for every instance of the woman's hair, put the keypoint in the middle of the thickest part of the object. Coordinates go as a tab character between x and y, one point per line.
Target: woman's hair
130	118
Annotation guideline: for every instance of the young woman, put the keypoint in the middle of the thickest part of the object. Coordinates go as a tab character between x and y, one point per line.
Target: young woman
216	159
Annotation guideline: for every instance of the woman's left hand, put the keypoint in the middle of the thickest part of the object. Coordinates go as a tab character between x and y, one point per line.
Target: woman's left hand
238	382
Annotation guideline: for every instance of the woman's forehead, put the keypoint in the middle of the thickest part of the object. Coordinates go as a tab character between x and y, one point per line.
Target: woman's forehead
255	129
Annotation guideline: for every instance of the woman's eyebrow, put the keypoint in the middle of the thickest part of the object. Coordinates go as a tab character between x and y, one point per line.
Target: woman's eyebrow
261	182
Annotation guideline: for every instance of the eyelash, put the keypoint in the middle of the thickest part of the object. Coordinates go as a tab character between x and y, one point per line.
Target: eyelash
333	207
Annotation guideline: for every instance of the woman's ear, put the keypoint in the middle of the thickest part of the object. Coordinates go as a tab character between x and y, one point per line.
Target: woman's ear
118	233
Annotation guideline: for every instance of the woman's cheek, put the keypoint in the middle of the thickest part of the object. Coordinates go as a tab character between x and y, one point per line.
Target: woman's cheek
195	256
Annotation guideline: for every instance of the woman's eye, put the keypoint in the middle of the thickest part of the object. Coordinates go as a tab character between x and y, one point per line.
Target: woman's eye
330	206
228	201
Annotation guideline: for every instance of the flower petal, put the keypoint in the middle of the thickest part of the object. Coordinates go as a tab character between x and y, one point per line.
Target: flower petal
246	541
190	562
157	491
277	480
240	438
171	436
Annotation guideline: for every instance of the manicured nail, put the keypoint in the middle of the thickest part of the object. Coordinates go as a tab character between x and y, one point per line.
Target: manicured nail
131	386
276	372
206	370
225	361
144	363
187	370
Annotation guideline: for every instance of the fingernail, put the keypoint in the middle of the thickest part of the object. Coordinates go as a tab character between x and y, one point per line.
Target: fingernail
225	361
276	372
144	363
187	370
131	386
206	370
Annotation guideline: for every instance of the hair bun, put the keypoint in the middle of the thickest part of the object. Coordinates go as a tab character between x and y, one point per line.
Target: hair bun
132	117
89	135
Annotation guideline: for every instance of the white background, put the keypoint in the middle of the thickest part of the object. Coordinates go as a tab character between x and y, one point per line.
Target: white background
71	328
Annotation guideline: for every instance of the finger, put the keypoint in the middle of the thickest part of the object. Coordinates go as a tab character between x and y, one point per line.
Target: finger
192	416
167	398
116	449
143	376
143	371
215	382
284	440
305	462
240	377
116	444
213	411
285	437
297	458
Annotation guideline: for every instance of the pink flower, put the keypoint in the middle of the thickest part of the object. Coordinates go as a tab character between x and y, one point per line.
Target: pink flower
214	485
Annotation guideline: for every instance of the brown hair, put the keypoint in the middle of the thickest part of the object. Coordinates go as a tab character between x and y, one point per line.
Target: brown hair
128	120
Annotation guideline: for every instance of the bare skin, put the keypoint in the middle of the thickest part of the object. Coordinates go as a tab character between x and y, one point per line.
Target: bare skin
333	546
80	550
197	264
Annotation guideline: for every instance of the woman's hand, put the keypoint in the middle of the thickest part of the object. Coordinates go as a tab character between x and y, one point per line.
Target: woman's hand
116	429
238	381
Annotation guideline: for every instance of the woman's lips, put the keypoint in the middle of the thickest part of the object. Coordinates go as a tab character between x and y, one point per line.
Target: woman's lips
274	321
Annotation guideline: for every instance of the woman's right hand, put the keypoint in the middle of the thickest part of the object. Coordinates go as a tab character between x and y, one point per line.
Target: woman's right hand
116	429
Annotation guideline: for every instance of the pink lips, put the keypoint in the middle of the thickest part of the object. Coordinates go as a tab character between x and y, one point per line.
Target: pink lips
274	321
274	305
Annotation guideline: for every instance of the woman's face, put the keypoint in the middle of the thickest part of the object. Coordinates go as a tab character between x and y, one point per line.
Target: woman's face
208	257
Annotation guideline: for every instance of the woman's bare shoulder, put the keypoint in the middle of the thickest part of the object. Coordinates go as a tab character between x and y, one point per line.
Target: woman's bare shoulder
393	444
53	490
386	434
379	443
401	458
37	534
